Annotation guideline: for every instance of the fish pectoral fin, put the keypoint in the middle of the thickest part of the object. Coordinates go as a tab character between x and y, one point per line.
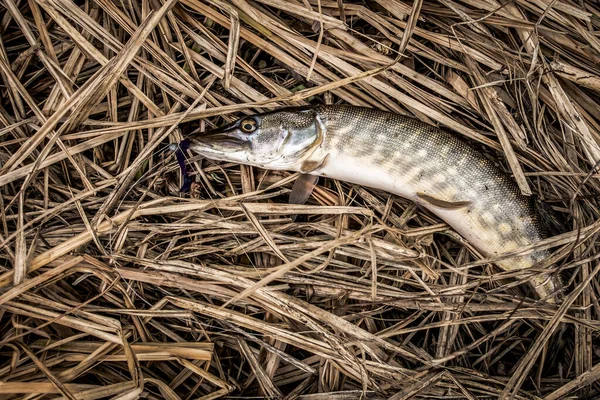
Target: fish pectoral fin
302	189
313	165
439	203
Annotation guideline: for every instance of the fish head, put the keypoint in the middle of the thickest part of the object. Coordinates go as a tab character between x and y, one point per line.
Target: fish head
273	140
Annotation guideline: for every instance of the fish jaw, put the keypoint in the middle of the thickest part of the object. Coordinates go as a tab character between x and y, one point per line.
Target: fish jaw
221	146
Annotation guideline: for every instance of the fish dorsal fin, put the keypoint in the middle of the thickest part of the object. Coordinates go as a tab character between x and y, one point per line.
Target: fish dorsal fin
302	189
439	203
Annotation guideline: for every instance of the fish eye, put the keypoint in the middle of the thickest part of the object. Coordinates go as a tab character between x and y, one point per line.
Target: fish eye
248	125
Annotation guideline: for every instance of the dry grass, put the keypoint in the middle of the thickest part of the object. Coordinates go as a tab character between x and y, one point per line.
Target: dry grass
115	286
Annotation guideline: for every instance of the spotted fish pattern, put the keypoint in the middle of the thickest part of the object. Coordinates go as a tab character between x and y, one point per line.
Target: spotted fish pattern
418	161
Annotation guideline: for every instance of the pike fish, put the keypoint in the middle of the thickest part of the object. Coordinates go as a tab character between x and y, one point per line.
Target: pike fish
399	155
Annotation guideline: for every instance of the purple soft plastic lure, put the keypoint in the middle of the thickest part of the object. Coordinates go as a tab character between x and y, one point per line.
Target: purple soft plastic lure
181	147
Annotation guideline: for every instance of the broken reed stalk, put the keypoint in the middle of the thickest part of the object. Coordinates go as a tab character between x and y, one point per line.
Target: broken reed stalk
113	285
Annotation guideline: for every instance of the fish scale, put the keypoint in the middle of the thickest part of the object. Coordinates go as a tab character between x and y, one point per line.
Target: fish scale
403	156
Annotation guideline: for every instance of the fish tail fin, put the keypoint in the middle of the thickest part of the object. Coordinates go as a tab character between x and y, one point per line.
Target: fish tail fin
548	286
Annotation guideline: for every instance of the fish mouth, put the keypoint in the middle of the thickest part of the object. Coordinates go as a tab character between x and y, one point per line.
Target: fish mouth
219	142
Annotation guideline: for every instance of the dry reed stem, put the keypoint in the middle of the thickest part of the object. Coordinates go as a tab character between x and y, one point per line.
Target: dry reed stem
115	286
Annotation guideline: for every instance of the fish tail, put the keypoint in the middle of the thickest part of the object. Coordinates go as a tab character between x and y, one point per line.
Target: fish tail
548	286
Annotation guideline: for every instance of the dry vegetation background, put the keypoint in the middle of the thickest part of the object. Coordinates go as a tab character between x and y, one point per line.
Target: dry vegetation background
114	285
